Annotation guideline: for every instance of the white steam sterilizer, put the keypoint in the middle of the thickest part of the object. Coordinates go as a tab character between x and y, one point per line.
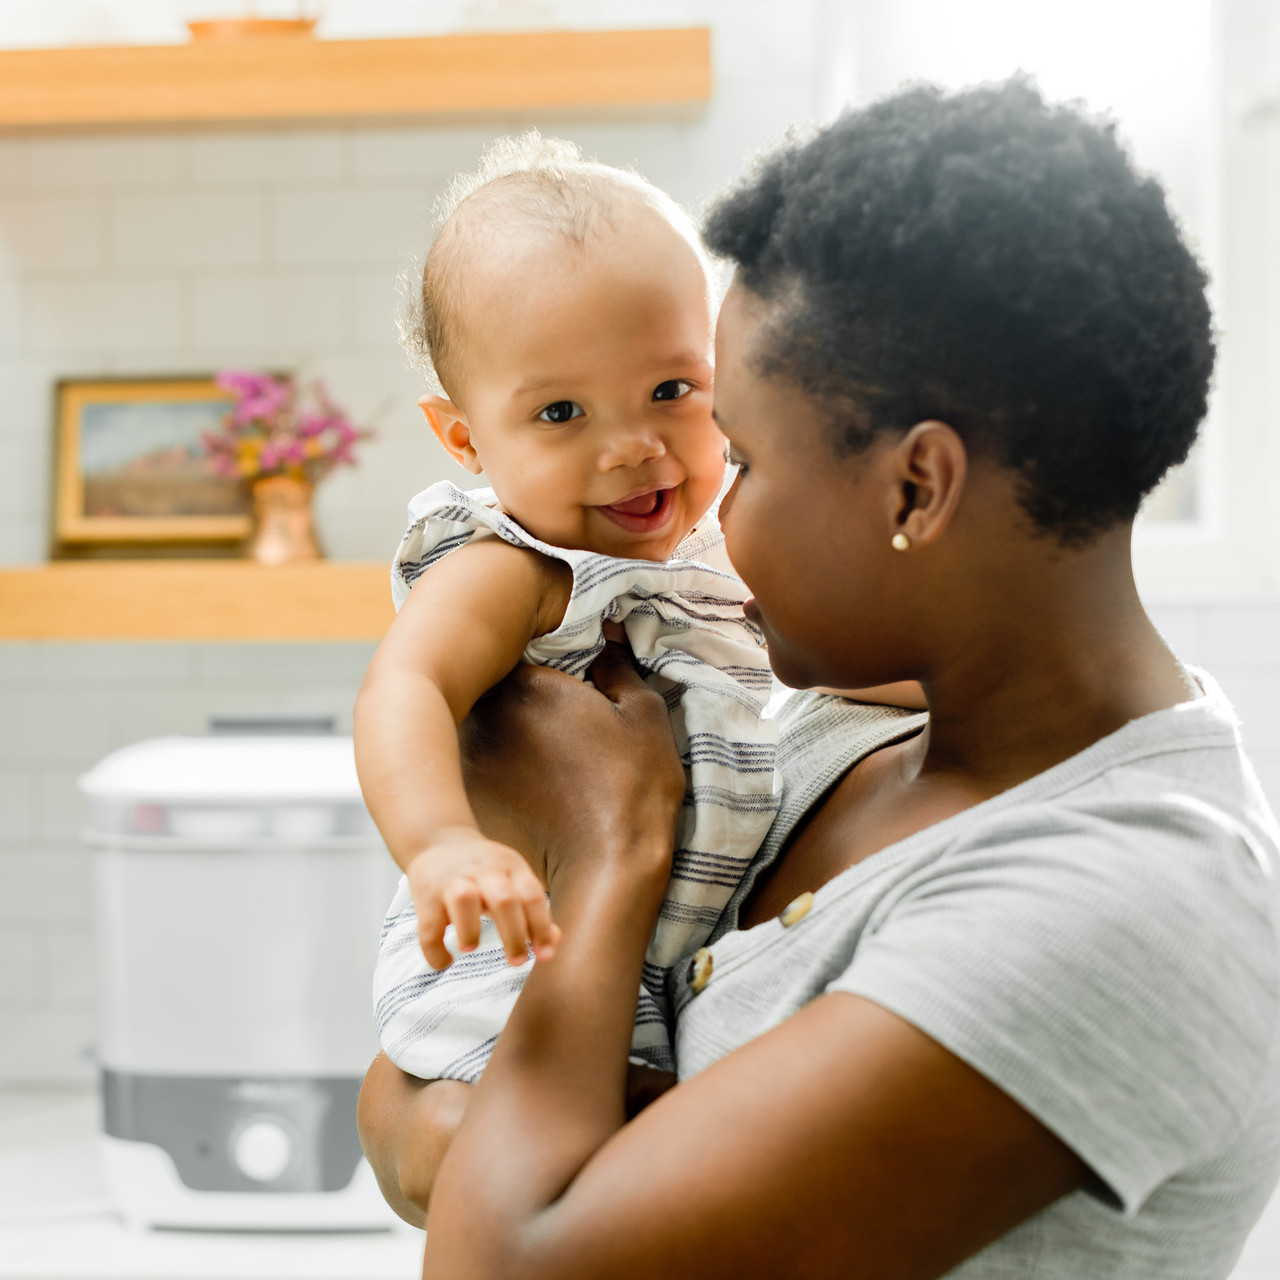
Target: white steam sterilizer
240	885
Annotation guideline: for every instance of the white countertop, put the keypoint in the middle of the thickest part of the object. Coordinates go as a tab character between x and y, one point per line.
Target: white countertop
55	1223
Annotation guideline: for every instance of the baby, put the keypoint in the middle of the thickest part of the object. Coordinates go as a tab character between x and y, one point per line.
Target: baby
568	314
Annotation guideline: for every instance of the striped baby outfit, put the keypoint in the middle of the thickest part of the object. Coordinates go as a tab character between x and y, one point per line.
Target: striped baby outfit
684	620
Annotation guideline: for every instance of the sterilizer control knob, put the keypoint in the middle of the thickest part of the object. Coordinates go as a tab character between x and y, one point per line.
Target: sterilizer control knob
262	1150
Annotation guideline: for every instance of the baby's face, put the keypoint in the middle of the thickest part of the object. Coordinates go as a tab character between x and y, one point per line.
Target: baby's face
586	387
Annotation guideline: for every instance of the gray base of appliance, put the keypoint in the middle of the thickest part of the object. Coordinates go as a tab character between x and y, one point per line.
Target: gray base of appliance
196	1121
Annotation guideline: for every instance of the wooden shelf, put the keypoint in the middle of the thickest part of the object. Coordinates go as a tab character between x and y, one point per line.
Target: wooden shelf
281	78
195	600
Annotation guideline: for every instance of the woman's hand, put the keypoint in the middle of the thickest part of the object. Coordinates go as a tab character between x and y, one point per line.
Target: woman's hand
573	775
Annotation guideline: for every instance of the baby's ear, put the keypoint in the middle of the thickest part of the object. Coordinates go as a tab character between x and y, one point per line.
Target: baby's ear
450	427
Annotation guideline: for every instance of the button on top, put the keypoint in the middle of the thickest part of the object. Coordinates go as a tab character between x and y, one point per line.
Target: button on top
796	911
700	969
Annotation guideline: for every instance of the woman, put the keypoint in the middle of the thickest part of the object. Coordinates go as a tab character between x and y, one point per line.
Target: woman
1000	997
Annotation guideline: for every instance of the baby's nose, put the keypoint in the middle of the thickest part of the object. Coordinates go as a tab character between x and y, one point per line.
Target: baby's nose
631	448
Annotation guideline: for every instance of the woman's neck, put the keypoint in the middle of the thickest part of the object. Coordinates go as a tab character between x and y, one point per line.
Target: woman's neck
1058	653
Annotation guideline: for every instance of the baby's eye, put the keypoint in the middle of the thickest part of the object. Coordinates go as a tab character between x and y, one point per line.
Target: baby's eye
672	389
561	411
732	459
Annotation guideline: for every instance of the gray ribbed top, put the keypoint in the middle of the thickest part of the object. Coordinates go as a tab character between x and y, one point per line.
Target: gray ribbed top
1100	941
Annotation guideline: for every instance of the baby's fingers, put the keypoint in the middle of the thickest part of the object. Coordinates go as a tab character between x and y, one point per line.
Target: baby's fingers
537	913
503	906
432	922
462	903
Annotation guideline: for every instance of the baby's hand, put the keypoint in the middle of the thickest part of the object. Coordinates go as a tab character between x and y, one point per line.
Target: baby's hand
462	876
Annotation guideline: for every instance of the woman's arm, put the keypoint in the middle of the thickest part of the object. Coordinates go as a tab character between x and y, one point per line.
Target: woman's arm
843	1142
464	626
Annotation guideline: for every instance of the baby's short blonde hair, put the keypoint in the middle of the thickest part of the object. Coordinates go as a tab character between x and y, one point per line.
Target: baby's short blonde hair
545	183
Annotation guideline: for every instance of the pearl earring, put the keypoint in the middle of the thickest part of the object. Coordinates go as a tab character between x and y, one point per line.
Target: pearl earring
900	542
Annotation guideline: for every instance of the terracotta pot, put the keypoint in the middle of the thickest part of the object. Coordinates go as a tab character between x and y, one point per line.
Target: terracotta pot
283	527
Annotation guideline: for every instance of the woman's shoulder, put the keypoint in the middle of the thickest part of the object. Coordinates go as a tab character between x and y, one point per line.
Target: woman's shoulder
1170	799
1171	790
1158	873
1114	939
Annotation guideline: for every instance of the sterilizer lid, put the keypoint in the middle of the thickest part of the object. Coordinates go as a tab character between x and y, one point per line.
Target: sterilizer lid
226	768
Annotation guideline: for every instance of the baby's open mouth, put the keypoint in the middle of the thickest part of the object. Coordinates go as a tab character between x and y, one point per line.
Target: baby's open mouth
642	512
644	505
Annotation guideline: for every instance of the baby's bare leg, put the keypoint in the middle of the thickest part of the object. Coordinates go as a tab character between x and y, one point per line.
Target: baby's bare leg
406	1126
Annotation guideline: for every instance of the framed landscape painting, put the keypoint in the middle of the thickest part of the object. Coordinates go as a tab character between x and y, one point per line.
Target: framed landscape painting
131	471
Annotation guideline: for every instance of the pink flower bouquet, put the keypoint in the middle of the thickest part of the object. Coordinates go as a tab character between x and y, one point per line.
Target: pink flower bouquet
272	430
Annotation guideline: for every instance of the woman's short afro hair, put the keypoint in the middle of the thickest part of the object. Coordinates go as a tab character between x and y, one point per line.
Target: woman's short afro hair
994	262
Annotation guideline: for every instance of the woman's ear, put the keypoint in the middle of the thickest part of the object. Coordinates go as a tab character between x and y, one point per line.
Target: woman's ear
932	465
450	427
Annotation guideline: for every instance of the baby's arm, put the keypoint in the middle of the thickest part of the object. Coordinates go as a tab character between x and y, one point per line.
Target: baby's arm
463	628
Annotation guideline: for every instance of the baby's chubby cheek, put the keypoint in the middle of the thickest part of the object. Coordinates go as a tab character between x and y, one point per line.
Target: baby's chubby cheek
546	500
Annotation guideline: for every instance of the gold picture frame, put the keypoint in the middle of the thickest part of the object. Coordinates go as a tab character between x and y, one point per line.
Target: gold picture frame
129	470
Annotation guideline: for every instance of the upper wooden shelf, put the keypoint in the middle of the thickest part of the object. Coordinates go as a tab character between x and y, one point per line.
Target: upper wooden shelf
281	78
195	600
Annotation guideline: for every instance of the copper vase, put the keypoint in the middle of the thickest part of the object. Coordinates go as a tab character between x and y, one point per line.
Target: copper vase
283	529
